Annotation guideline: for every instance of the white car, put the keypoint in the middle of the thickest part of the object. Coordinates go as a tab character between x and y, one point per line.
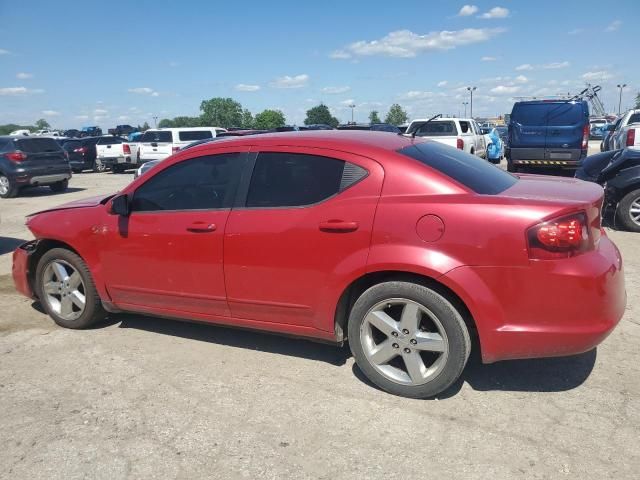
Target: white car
159	143
20	133
461	133
116	153
627	132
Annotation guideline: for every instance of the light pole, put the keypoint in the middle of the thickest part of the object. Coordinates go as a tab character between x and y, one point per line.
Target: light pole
471	89
352	107
465	108
155	121
620	98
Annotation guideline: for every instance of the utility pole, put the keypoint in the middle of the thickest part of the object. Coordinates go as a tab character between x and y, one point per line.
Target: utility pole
465	108
620	86
471	89
155	121
352	107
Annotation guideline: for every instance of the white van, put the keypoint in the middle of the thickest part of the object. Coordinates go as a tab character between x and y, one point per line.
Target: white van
159	143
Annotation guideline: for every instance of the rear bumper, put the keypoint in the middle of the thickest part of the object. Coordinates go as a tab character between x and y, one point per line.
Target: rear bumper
20	268
116	161
546	309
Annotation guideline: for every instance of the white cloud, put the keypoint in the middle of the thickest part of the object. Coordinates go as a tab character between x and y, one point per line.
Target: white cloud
467	10
243	87
82	117
555	65
4	52
97	118
417	95
524	66
24	76
613	26
505	89
443	83
521	79
123	117
100	111
335	90
297	81
18	91
599	75
488	59
340	55
50	113
496	12
348	102
144	91
406	44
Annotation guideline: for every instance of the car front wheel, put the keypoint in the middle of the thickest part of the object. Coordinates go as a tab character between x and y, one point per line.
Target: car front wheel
408	339
628	211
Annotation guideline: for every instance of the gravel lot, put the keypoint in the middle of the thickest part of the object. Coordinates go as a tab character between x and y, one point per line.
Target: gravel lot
141	397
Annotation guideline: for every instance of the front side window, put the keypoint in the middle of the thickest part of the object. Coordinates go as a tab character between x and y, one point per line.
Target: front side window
294	180
201	183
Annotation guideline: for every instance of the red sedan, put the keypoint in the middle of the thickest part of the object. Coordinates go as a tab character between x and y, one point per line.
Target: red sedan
405	247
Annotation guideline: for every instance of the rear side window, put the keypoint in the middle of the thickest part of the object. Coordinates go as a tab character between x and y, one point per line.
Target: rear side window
437	129
464	126
157	137
634	118
70	146
201	183
109	141
37	145
193	135
566	114
469	170
295	180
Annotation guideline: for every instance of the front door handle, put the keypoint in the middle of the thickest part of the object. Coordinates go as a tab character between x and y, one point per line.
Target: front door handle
338	226
201	227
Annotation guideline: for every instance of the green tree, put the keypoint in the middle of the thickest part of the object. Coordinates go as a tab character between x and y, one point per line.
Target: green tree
247	119
268	119
42	124
320	114
221	112
145	127
374	118
165	123
637	100
10	127
396	115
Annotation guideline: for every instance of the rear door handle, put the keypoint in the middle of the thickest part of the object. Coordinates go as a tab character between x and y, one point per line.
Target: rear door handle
201	227
338	226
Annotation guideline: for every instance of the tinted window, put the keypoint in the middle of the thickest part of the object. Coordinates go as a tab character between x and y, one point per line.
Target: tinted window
566	114
464	127
288	179
552	113
469	170
37	145
192	136
437	129
634	118
201	183
109	141
70	146
158	137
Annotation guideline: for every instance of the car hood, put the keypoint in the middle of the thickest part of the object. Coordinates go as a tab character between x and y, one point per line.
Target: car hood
83	203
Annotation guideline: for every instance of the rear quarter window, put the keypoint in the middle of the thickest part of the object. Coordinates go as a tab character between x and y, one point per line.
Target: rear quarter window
437	129
109	141
469	170
193	135
37	145
157	137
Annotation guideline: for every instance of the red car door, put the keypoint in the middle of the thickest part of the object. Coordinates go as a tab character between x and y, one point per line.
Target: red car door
303	231
166	256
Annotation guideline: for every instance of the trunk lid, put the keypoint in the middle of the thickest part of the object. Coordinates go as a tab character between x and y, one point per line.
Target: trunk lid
44	156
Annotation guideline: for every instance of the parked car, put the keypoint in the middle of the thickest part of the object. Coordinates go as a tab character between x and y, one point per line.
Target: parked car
46	132
91	132
32	162
83	152
72	133
20	133
618	171
548	136
495	147
627	132
121	130
461	133
379	239
375	127
596	128
605	145
117	154
159	143
319	126
503	131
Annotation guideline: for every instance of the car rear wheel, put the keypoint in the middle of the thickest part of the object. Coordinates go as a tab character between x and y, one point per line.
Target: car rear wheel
408	339
66	289
628	211
7	188
98	166
59	186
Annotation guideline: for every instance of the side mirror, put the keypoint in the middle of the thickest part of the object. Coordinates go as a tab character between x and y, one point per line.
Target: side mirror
120	206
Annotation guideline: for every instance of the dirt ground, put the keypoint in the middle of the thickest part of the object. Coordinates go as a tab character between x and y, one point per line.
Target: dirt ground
140	397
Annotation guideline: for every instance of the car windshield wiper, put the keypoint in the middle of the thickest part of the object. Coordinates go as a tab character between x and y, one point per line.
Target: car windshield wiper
413	133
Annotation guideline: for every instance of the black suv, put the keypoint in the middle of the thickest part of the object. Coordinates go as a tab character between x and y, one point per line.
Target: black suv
31	162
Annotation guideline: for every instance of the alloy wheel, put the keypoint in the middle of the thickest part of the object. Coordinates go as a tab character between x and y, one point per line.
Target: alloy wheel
100	167
4	185
64	290
404	341
634	211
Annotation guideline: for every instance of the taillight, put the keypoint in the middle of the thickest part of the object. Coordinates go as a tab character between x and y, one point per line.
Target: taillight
174	149
460	144
585	137
16	156
82	150
631	137
561	237
126	148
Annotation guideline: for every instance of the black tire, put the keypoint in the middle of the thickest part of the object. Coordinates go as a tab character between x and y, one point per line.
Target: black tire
98	166
117	169
511	168
12	190
623	211
93	311
459	342
59	186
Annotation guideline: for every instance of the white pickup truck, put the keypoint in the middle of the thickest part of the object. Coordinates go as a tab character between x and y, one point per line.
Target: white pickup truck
117	154
461	133
627	132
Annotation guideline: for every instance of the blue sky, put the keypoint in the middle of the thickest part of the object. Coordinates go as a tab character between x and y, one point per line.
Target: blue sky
106	63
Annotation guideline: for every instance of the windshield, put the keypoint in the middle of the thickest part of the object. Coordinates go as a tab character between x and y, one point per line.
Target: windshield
158	136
